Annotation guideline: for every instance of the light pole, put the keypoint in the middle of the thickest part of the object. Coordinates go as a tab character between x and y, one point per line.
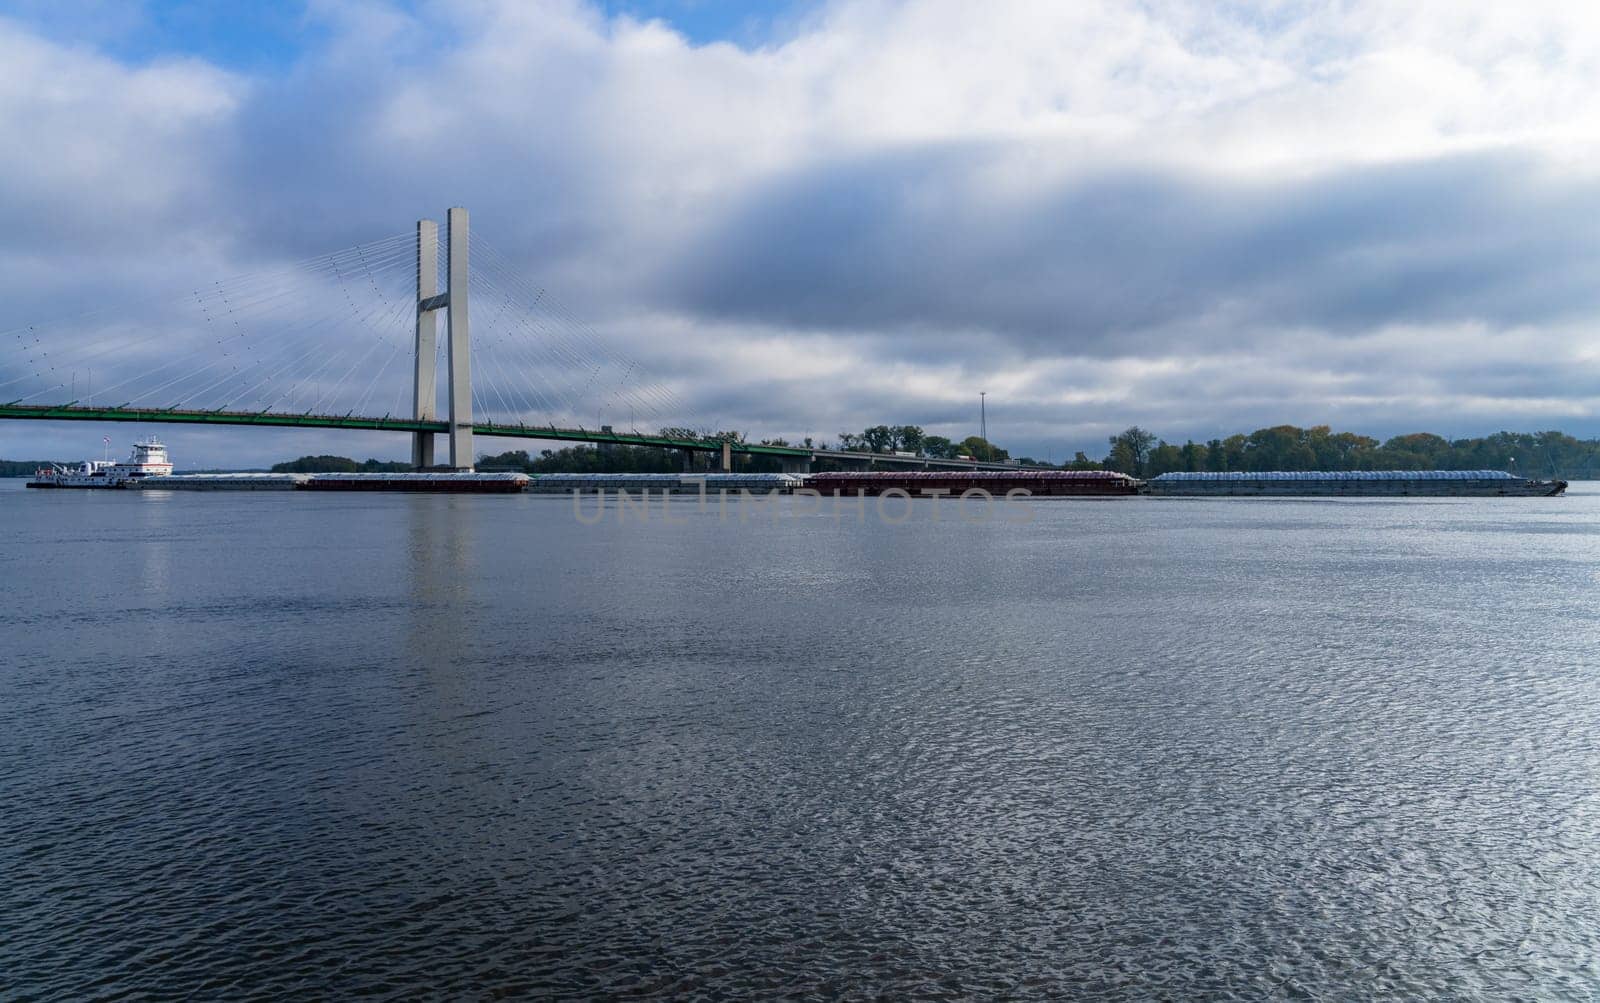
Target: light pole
983	423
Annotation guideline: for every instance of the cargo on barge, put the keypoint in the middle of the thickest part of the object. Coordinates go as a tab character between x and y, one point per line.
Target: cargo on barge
998	483
1352	484
666	483
431	482
221	482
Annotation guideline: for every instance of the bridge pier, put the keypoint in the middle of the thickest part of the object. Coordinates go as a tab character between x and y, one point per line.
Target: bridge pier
797	464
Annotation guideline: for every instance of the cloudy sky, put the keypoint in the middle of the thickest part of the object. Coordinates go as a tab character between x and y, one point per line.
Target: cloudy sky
812	216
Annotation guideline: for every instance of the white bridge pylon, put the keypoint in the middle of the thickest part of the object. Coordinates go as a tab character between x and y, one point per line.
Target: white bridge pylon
429	302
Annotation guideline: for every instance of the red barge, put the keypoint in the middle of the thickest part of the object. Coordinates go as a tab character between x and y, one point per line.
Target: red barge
998	483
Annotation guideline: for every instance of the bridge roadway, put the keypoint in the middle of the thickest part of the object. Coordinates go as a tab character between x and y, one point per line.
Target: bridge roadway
789	454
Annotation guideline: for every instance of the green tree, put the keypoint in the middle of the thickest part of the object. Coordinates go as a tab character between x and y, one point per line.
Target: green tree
878	439
938	446
1130	451
1194	456
1164	458
908	437
325	464
979	448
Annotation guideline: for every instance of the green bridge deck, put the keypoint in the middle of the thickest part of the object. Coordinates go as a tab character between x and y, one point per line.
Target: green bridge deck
72	412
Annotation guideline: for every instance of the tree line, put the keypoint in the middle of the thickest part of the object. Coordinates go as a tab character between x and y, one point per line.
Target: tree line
587	460
325	464
25	468
1287	447
1133	451
877	439
912	439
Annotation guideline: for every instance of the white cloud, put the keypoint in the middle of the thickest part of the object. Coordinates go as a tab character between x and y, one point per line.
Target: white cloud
94	146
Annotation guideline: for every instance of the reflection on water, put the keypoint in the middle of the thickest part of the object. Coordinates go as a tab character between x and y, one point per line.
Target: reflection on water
438	541
291	746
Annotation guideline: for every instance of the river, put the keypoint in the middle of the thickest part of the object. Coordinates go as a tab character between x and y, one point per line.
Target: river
298	745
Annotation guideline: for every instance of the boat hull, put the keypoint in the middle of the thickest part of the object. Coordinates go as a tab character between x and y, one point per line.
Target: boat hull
77	486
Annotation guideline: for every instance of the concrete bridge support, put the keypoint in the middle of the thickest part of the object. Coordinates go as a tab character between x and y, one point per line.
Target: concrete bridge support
429	302
425	397
460	344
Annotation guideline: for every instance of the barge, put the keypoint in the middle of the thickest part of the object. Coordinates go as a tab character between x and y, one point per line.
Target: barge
998	483
667	483
221	482
1352	484
454	483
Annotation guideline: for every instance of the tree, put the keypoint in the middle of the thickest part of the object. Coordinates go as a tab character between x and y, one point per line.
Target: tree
1277	448
979	448
878	439
1130	451
1164	458
938	446
908	437
1194	456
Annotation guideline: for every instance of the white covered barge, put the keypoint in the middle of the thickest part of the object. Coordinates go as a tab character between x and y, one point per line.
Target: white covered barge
667	483
441	481
222	482
1351	483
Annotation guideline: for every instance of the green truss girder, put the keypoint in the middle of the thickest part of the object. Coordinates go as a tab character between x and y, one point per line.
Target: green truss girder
70	412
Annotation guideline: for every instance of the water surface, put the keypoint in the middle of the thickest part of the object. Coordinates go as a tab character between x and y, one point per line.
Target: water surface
293	745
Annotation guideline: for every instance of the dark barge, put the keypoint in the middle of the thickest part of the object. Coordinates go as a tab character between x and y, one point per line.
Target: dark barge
453	483
997	483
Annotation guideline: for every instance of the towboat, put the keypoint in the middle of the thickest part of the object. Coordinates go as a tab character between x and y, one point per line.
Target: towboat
148	459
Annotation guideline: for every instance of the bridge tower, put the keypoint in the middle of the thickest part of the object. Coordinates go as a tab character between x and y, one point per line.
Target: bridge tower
426	395
429	302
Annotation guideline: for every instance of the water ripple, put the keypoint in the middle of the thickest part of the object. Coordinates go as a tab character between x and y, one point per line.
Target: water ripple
410	747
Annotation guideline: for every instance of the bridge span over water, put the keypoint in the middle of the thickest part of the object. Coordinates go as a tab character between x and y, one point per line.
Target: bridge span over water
795	458
314	345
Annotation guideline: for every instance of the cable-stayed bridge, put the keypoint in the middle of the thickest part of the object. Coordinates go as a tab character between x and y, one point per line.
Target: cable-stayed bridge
359	339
